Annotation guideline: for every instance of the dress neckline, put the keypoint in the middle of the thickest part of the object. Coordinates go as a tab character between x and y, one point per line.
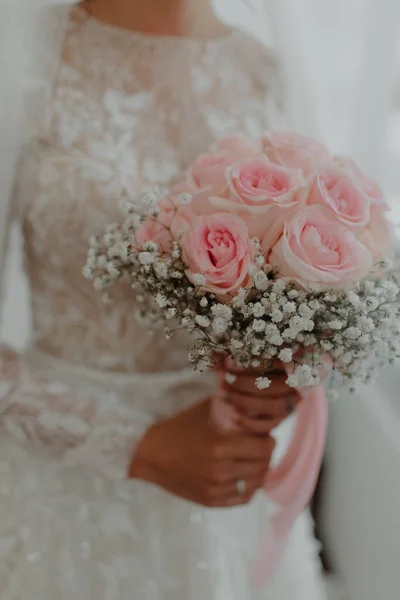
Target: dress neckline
82	15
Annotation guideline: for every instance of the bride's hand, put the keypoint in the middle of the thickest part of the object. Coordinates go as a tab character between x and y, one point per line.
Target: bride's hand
260	411
188	457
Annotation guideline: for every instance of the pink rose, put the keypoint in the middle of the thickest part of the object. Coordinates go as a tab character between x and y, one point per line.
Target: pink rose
378	235
369	187
295	151
152	230
156	229
185	213
258	184
315	248
238	146
339	193
218	247
208	171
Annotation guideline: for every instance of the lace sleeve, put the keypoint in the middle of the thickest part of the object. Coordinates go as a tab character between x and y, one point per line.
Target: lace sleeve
82	425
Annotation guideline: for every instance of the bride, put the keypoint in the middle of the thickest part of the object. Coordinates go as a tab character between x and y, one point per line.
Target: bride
113	483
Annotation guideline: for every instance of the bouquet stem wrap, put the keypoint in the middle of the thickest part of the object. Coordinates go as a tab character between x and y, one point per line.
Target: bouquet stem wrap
290	484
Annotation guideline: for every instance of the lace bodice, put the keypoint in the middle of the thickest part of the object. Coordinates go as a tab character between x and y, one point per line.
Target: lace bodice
128	112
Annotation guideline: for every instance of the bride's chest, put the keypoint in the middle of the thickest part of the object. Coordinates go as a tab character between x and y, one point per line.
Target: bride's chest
104	142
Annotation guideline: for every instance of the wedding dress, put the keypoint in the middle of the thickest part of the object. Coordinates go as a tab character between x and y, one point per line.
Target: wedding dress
128	111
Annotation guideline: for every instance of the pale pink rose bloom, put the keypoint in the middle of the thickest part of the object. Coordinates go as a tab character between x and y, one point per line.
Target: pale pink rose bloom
181	187
258	184
200	205
378	235
208	171
238	146
269	228
219	247
317	249
338	192
369	187
152	230
295	151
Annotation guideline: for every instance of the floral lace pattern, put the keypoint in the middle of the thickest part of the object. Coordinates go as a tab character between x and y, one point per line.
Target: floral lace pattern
127	112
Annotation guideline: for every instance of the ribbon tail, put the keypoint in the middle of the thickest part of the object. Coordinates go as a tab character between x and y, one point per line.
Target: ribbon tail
291	484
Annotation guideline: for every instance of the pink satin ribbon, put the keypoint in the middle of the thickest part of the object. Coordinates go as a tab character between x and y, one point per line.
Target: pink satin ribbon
291	484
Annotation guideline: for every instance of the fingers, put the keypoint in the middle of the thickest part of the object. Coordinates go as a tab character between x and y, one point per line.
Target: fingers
277	407
259	426
247	448
228	495
229	471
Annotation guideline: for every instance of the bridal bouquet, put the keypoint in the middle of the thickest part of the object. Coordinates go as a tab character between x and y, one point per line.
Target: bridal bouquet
270	250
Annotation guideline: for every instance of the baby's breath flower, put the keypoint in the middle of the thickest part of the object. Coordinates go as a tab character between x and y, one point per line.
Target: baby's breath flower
185	198
372	303
259	325
87	272
150	246
293	294
314	304
162	300
146	258
99	283
336	324
113	271
235	345
222	310
263	383
279	286
285	355
176	274
202	321
137	221
326	345
261	281
352	333
198	279
258	310
219	325
160	267
260	260
151	198
253	270
203	302
353	298
289	308
303	376
272	335
277	316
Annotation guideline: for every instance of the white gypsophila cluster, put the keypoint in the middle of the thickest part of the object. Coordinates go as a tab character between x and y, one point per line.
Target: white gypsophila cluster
270	319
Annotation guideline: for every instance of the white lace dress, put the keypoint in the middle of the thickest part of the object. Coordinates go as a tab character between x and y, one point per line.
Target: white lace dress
128	111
